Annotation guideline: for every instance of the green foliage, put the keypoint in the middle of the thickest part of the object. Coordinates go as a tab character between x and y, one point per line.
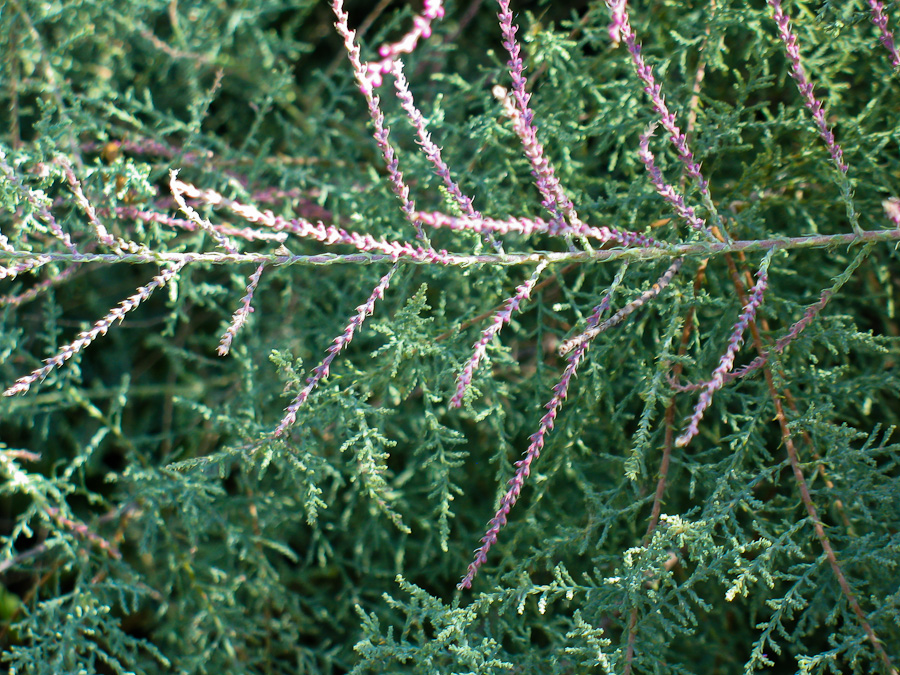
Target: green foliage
151	521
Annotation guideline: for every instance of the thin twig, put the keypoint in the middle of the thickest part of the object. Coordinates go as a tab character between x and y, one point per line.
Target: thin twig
820	528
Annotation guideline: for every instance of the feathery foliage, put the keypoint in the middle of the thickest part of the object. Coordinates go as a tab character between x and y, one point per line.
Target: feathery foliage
290	322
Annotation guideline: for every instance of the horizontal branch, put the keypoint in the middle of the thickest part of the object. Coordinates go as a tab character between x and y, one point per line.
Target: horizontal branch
425	256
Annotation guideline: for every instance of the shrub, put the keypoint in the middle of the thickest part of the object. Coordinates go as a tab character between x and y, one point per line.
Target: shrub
668	229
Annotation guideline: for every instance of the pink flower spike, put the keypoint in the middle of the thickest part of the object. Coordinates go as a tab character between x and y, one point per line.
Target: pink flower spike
523	466
364	76
247	233
815	106
433	152
321	371
328	235
805	86
618	20
85	338
37	289
727	361
517	109
529	226
240	316
434	9
780	345
879	18
621	28
177	188
102	233
593	331
504	316
666	191
892	209
370	75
